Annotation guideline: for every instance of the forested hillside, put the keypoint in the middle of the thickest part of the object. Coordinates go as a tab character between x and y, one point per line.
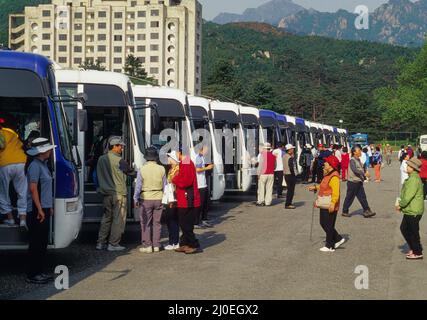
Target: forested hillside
312	77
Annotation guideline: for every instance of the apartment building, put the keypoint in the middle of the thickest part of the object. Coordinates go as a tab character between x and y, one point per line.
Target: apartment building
165	35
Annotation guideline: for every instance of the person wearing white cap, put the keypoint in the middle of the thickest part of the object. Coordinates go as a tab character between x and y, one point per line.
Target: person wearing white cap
40	207
290	171
266	168
278	172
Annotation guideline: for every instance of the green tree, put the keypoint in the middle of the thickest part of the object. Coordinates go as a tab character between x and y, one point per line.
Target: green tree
90	65
133	67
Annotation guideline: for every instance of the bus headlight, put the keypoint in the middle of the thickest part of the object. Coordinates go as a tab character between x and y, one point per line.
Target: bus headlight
72	206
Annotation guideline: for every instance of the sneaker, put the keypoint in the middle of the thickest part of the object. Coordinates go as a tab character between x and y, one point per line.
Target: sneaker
146	250
207	224
414	257
176	246
340	243
347	215
369	214
23	225
182	249
115	248
101	246
9	222
156	249
260	205
170	247
290	207
38	279
326	249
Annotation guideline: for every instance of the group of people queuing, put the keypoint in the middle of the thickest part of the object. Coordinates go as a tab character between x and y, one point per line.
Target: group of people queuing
27	167
177	192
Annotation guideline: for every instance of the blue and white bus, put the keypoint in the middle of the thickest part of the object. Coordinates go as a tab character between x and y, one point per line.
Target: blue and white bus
28	95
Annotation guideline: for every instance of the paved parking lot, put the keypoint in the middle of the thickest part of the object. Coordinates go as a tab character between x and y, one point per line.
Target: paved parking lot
251	253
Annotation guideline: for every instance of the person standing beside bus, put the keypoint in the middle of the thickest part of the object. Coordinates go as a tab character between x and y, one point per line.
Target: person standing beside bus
278	171
188	203
290	169
40	208
111	171
267	163
201	169
12	169
148	196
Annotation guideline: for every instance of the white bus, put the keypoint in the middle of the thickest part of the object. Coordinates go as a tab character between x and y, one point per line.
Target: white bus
110	111
202	119
422	142
236	158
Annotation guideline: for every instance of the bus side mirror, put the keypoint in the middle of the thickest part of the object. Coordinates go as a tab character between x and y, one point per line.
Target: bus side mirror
82	119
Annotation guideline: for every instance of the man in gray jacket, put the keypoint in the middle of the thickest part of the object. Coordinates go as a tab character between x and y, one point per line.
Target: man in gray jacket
355	188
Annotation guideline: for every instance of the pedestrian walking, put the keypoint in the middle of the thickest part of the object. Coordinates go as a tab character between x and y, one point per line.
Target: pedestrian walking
188	203
266	167
355	188
315	153
171	211
39	207
306	160
111	172
410	151
400	154
12	169
290	170
345	162
411	204
403	168
148	196
323	154
202	168
328	201
423	171
377	161
388	154
278	171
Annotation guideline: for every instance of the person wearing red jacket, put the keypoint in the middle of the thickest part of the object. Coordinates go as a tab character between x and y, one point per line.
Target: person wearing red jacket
423	172
188	203
345	162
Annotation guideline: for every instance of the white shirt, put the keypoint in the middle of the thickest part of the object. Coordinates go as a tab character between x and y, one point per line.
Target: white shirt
278	153
338	155
363	158
369	152
201	176
403	173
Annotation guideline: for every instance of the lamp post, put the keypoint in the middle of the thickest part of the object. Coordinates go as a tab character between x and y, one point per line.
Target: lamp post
341	122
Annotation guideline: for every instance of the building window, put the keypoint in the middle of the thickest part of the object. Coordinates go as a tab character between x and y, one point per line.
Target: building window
154	59
117	49
102	25
118	15
46	47
78	26
46	13
77	60
141	49
154	36
141	14
77	49
131	15
117	60
118	26
130	49
102	37
133	3
62	48
155	24
154	70
131	38
102	48
78	15
102	14
102	60
141	25
141	37
141	59
46	36
155	13
154	47
118	38
62	60
63	37
78	38
46	25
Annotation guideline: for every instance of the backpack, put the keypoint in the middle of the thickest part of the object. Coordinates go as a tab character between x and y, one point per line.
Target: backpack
376	158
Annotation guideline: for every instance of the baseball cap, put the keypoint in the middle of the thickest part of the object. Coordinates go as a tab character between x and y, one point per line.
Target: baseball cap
289	147
117	141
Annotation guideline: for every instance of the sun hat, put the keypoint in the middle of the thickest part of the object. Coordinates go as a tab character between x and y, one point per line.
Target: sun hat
40	145
289	147
333	162
415	164
307	145
320	145
267	146
173	155
151	154
114	141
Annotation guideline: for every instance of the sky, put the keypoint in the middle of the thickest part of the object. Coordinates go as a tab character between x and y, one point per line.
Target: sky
211	8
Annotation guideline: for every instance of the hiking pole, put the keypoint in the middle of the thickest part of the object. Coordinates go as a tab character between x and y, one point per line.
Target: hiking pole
312	216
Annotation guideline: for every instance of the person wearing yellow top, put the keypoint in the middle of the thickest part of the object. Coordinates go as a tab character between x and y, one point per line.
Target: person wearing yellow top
12	169
330	187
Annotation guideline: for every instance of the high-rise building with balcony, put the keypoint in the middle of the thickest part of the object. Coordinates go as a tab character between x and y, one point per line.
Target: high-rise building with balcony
165	35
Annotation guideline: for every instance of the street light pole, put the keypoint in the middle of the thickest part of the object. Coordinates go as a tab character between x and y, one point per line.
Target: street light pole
341	122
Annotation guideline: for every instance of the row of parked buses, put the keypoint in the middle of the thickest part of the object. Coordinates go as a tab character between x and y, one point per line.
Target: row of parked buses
79	110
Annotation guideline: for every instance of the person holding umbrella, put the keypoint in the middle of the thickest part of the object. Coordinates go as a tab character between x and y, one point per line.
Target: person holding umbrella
328	201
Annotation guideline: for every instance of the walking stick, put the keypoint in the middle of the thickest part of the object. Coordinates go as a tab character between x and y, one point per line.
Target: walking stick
312	217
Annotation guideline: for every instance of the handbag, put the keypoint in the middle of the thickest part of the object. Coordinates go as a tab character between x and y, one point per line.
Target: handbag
323	202
168	194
